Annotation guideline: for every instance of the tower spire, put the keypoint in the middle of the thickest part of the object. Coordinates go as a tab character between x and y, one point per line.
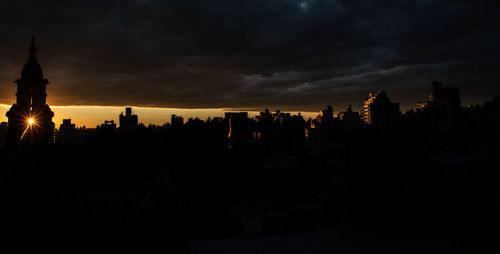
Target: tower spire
33	48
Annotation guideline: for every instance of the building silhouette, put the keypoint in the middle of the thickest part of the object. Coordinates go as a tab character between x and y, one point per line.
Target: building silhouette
67	126
30	118
128	121
450	95
442	95
349	119
69	134
3	132
176	121
493	107
265	127
238	127
379	111
325	117
443	108
109	124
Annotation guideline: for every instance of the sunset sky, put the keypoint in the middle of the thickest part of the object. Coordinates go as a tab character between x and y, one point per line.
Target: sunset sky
91	116
199	57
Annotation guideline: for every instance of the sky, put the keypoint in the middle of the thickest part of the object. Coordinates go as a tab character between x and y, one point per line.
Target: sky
91	116
250	54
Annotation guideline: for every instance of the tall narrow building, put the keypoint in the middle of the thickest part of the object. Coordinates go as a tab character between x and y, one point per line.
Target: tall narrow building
379	111
30	118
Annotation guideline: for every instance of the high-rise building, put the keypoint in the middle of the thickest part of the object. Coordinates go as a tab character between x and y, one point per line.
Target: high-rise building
442	95
450	95
237	125
325	117
67	126
128	121
443	107
69	134
30	118
379	111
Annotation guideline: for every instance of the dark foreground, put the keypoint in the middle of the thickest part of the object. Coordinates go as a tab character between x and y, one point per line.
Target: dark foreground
186	191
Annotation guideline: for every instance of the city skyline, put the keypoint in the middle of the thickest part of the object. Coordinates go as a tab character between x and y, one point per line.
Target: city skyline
31	95
92	115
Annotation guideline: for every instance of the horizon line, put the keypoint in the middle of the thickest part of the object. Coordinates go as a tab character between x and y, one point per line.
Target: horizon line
167	108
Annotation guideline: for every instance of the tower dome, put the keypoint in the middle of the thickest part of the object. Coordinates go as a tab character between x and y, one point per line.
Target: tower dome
32	70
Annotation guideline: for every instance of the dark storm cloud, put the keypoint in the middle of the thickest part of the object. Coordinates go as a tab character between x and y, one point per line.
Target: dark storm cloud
297	55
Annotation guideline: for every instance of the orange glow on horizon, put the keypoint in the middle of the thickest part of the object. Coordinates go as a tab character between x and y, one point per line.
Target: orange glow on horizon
91	116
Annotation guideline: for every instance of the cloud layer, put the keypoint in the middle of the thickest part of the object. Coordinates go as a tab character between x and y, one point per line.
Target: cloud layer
293	55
